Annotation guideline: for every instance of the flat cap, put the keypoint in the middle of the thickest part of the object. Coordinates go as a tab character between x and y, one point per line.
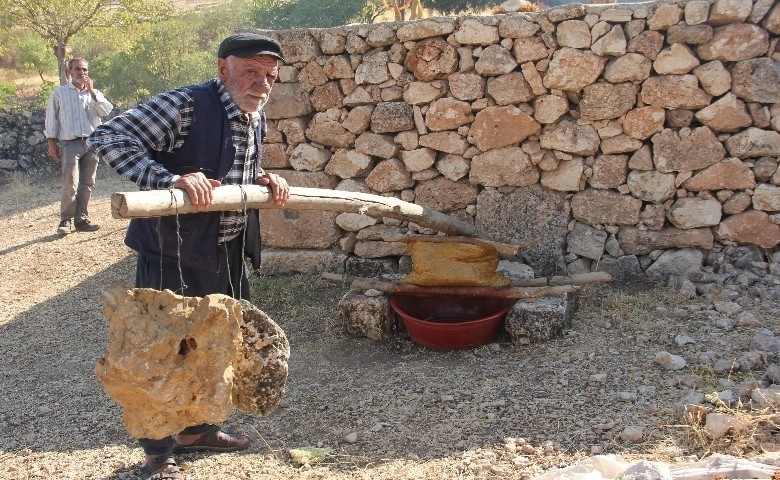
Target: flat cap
249	44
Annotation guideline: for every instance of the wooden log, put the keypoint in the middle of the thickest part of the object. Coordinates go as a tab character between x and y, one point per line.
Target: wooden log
528	293
158	203
577	279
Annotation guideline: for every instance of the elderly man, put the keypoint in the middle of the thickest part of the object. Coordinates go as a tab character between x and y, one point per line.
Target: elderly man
196	138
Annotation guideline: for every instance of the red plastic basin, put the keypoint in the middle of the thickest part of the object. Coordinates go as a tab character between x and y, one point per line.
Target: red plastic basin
451	322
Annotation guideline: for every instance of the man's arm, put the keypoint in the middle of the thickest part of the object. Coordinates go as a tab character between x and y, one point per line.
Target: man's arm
128	141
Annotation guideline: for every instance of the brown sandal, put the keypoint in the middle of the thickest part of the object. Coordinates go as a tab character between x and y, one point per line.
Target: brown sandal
161	468
215	440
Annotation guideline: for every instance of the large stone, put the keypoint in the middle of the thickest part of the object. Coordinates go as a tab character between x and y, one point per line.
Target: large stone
425	29
686	150
549	108
299	229
754	142
767	198
642	122
586	241
496	127
377	145
537	214
363	316
444	195
603	101
176	361
309	158
510	88
431	59
674	91
474	32
651	186
389	117
641	242
609	171
735	42
605	207
727	114
346	163
756	80
467	85
694	212
752	227
495	60
613	43
570	137
509	166
291	260
676	262
287	100
714	78
676	60
729	174
327	131
631	67
566	177
448	114
418	93
389	175
572	69
543	319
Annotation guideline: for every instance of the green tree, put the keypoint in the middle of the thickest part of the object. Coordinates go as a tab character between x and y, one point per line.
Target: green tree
58	21
286	14
178	51
449	7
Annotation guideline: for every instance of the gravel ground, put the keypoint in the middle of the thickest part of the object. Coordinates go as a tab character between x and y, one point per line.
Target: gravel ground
392	410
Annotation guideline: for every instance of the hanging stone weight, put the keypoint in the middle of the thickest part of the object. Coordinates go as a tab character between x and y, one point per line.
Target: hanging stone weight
176	361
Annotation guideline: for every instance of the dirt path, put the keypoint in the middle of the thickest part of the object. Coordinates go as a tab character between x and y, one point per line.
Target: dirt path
500	411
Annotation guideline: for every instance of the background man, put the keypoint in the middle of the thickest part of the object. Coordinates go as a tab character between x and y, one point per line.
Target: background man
197	138
72	114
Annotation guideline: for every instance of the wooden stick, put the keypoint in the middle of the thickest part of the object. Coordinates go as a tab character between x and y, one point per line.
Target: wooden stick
577	279
503	292
158	203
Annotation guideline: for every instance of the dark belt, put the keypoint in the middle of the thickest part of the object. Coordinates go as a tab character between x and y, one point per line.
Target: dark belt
77	139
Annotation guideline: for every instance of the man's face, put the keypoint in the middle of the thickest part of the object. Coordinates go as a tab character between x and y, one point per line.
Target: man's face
249	80
78	71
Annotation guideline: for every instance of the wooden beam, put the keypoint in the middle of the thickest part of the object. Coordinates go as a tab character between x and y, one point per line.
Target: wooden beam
576	280
157	203
527	293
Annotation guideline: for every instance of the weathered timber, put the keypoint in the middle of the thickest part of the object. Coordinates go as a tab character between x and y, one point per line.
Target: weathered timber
158	203
528	293
560	280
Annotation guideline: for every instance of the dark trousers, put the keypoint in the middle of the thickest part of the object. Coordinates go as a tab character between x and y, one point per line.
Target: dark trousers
230	280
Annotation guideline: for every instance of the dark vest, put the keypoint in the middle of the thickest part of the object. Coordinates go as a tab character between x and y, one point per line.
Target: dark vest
208	148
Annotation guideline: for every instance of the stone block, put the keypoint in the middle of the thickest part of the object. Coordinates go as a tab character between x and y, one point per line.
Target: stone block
366	316
543	319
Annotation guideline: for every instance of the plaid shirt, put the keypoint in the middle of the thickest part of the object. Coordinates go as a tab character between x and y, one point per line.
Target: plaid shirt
162	124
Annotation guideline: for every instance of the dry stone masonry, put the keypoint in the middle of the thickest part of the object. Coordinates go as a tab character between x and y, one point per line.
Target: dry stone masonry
613	133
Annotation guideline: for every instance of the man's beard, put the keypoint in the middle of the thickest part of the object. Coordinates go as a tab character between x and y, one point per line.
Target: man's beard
243	102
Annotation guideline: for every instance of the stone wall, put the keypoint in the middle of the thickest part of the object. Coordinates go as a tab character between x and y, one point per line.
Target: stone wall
616	134
23	145
612	133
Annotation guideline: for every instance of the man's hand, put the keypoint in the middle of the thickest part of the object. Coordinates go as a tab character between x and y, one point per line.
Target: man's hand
53	149
198	187
280	190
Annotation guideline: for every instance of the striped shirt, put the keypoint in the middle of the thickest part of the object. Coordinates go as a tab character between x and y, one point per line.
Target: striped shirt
72	113
162	124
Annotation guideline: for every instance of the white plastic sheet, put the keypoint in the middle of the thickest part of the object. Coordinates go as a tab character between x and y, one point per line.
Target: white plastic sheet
610	467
